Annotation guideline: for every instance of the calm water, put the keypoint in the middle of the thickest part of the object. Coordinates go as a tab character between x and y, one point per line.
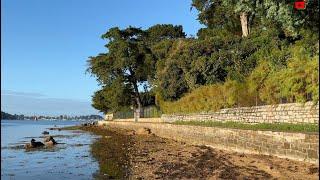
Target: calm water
71	160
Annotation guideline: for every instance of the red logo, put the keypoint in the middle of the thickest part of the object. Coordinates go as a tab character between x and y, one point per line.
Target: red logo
299	5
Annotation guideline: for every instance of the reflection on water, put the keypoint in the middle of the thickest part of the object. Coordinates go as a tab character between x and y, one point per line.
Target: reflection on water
69	160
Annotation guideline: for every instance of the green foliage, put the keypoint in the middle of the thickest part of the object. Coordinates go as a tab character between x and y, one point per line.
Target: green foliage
161	32
112	98
210	98
286	127
192	63
205	98
275	73
276	63
214	13
172	81
296	80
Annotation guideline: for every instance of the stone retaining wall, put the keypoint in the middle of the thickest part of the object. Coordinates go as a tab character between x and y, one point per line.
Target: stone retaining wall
281	113
296	146
141	120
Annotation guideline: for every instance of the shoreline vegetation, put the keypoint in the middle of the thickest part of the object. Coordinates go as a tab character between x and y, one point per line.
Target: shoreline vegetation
123	154
110	150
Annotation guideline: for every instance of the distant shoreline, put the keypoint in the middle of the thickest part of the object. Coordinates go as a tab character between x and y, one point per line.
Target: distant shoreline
7	116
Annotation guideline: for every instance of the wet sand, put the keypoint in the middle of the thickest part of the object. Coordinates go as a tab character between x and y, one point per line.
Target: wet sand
121	154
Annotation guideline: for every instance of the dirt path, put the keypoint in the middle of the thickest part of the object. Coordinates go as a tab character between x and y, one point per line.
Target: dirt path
152	157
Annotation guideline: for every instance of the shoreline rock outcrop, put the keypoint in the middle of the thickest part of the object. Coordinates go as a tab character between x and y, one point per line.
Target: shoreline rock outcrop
34	144
49	141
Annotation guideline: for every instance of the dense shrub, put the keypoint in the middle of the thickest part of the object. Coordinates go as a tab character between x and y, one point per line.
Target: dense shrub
210	98
294	79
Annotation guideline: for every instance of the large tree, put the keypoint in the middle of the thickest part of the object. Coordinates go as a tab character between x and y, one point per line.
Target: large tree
127	64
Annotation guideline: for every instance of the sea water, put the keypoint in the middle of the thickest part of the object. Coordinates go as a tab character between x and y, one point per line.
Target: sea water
69	160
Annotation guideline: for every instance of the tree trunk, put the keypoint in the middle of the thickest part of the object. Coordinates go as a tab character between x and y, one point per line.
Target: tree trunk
244	24
138	109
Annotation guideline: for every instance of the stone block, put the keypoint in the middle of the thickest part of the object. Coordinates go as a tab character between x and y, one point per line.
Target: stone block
313	154
286	145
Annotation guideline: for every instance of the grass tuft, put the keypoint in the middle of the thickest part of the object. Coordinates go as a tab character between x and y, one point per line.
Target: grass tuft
283	127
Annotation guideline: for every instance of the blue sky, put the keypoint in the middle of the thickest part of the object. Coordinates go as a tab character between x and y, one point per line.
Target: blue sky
45	45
